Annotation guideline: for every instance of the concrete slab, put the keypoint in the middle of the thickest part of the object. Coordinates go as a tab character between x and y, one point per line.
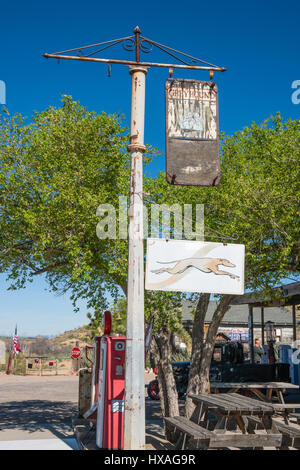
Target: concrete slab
37	431
37	410
40	444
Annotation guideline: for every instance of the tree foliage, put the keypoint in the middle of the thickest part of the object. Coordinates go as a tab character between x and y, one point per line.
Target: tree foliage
54	173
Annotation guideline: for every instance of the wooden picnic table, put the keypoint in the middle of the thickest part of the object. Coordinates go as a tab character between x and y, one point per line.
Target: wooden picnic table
227	407
233	405
256	387
230	420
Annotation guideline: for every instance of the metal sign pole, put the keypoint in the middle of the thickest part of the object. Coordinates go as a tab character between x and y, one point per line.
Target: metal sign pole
134	425
134	419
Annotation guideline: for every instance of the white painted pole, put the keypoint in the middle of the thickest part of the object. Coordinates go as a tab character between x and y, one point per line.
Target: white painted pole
134	420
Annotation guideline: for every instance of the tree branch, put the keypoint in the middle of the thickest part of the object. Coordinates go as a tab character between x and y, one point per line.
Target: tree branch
49	268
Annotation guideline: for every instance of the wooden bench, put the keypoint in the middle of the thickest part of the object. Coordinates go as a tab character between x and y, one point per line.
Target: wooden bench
210	439
290	433
297	416
190	429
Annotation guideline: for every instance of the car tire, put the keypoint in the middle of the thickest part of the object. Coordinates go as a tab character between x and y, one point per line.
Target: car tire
153	390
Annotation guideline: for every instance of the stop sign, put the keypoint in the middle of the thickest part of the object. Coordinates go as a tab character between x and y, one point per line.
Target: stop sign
75	353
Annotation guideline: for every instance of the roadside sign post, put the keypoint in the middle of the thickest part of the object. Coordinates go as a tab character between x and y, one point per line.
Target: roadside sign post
75	354
134	420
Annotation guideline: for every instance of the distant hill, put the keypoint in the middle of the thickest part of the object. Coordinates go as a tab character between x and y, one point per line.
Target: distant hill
69	338
60	344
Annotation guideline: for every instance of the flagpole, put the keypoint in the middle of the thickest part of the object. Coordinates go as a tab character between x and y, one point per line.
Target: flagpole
8	363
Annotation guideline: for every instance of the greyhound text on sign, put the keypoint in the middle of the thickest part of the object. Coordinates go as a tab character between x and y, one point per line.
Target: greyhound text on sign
192	266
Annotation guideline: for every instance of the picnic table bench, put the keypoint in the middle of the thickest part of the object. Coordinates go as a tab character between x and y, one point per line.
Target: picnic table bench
244	414
296	415
290	433
256	388
211	439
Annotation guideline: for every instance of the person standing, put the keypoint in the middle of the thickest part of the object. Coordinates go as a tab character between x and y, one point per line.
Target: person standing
258	351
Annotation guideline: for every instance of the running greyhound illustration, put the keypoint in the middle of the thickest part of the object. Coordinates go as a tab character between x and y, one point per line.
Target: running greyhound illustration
206	265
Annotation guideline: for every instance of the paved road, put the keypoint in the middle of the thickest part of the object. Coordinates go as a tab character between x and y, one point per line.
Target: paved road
36	412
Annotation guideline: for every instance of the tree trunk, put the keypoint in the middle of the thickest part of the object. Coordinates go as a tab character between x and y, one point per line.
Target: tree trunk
160	349
202	352
197	345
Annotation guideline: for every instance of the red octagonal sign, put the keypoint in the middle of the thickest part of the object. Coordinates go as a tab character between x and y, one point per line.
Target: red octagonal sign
75	353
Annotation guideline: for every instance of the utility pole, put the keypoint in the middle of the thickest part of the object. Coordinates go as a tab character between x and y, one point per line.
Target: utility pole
134	420
134	424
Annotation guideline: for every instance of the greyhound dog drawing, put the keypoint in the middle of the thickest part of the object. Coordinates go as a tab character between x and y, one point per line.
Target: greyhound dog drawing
206	265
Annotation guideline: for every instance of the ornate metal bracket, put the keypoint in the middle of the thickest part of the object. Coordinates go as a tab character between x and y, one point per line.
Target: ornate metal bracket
139	44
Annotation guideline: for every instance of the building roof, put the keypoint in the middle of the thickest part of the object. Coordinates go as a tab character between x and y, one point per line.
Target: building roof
289	294
238	314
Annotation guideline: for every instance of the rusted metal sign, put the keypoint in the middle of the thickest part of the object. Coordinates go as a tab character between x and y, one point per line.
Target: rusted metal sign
192	133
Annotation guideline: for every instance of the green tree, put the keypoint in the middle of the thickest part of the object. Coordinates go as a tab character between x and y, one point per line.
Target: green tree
54	173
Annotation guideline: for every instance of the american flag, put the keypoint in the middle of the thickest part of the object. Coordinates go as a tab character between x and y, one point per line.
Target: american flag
17	348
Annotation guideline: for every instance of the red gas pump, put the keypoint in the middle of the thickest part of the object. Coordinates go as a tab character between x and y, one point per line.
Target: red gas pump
110	415
111	389
108	386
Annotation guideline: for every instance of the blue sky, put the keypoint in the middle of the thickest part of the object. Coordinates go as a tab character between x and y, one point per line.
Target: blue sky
258	42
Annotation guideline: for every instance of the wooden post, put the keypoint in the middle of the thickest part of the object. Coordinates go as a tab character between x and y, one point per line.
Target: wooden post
76	361
84	399
294	323
250	324
262	325
9	363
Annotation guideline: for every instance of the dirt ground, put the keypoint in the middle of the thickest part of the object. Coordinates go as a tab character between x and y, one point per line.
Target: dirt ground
35	410
37	407
43	407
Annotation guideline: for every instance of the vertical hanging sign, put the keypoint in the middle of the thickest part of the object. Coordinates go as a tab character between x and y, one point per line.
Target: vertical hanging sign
192	133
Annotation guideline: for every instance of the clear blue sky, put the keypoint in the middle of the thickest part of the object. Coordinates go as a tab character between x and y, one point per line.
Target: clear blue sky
257	41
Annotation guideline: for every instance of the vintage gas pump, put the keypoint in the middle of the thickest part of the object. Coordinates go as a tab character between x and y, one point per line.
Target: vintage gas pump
111	389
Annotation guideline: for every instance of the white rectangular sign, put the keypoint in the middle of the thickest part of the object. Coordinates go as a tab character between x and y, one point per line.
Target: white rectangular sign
193	266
